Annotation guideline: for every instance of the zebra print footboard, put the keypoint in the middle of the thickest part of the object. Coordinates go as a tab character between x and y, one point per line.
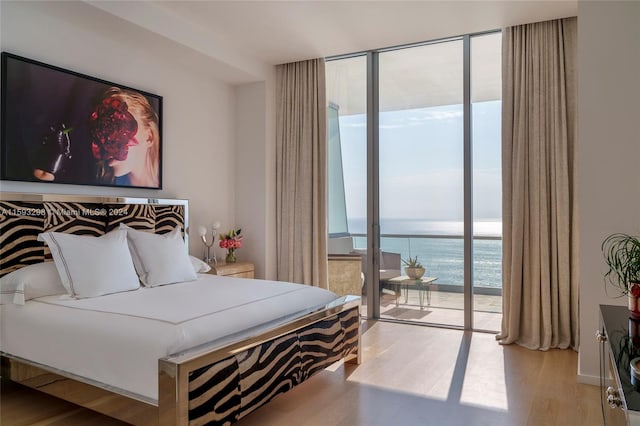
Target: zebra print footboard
224	391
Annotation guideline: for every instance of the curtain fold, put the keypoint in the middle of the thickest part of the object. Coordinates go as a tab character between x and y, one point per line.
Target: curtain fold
540	223
301	173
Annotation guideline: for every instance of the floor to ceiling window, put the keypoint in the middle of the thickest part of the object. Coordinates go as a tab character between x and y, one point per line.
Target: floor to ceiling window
422	178
421	169
486	108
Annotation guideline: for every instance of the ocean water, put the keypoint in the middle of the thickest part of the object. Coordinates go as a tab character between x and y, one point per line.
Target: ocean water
481	228
443	257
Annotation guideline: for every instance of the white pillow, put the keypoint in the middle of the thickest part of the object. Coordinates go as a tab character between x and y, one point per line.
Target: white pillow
29	282
199	266
92	266
160	259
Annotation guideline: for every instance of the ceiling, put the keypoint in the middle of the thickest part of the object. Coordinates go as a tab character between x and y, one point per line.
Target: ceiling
250	35
287	31
435	68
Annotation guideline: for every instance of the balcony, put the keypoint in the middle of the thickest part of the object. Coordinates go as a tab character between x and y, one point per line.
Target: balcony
442	256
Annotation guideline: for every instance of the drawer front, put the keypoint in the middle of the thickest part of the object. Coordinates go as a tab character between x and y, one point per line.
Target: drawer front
248	274
240	270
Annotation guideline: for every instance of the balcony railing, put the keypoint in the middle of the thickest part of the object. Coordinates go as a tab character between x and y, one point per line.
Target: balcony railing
443	257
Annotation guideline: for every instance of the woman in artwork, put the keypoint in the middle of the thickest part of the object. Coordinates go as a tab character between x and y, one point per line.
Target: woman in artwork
126	139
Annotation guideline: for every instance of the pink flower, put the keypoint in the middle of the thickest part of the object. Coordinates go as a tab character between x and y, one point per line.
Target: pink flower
231	240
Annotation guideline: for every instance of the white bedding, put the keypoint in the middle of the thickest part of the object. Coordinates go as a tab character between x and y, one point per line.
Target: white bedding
117	339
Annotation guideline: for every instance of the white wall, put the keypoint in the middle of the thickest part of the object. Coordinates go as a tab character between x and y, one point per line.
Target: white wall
608	151
255	175
250	171
198	107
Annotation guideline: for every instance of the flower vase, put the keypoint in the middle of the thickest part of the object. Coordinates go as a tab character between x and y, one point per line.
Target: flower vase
231	256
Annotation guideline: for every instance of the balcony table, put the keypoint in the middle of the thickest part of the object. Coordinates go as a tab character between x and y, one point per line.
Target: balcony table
404	282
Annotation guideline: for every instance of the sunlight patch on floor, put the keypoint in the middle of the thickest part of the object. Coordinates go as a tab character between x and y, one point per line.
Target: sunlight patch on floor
484	383
401	389
421	374
335	366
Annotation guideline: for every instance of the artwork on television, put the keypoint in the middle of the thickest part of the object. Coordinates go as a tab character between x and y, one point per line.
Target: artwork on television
65	127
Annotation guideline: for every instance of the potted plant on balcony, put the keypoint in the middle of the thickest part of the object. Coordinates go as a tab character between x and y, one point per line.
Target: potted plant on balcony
622	255
413	268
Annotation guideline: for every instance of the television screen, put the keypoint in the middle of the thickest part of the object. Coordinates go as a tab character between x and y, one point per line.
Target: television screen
65	127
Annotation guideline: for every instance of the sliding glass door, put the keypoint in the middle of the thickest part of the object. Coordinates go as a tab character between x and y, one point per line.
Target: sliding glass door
426	153
421	169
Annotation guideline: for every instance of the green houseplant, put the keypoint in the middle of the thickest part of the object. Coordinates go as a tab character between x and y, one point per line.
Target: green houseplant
413	268
622	256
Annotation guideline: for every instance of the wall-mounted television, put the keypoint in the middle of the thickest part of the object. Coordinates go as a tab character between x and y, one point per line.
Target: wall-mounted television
65	127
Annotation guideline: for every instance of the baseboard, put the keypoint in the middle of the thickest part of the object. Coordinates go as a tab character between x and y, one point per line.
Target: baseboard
592	380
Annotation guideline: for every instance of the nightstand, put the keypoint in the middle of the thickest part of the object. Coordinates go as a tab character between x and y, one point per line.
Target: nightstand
238	269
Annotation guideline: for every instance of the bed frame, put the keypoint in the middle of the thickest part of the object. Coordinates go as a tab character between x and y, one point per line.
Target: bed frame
209	384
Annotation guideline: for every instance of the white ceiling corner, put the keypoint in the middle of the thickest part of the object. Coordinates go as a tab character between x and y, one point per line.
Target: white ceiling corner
231	62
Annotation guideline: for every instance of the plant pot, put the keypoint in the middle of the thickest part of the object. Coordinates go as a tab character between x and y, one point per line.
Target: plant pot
633	297
634	334
414	273
634	310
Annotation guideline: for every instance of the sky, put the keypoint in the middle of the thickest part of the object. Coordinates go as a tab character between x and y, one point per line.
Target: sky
421	163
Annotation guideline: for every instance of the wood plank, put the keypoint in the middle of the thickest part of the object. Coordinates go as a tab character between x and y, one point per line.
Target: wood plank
410	375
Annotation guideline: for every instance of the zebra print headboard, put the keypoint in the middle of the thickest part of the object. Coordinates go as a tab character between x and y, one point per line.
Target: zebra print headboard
24	216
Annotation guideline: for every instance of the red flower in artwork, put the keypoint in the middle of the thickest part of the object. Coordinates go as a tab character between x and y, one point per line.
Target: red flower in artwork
635	289
95	150
112	130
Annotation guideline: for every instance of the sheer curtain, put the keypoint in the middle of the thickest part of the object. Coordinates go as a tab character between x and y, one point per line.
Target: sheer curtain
301	173
539	128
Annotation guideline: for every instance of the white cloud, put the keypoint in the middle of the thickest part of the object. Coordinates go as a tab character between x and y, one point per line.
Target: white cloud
436	115
417	118
353	125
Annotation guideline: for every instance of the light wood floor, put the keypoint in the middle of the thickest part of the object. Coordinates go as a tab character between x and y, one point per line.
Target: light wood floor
410	375
446	308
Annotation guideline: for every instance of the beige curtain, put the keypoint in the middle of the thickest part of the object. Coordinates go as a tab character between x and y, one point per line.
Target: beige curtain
539	128
301	177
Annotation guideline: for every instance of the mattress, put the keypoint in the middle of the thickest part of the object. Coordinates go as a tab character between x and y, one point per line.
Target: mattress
117	339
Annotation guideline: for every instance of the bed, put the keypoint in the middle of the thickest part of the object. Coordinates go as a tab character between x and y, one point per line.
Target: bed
207	351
